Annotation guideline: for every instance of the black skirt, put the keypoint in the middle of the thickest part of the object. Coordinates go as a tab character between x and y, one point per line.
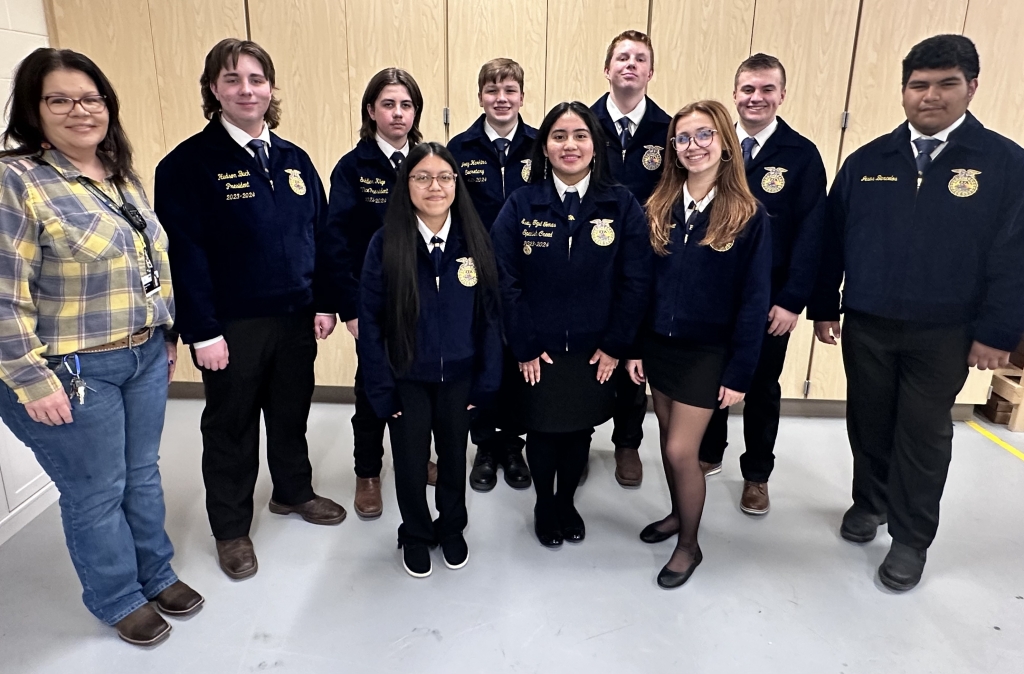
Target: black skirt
568	396
687	372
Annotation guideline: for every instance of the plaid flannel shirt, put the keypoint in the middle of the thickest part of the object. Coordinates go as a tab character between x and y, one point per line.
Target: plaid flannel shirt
70	269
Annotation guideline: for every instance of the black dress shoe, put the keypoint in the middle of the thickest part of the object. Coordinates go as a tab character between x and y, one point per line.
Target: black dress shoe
669	579
517	474
573	528
484	475
859	525
651	533
547	529
902	567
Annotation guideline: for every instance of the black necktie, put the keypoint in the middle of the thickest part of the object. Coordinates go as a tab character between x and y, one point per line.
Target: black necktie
748	149
397	158
925	147
256	145
572	204
500	145
624	134
435	255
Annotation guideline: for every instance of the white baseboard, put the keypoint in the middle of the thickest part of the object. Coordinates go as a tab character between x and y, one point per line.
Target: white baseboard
28	511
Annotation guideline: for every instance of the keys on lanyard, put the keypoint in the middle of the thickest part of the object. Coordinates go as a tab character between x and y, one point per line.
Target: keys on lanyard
78	385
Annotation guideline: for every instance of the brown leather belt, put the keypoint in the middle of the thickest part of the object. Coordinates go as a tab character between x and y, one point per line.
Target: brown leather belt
136	339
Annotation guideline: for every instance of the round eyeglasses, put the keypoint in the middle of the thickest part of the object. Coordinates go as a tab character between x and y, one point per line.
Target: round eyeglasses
702	139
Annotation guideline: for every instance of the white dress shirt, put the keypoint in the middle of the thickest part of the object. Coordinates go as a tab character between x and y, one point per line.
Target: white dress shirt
698	206
634	117
580	187
388	149
760	138
941	135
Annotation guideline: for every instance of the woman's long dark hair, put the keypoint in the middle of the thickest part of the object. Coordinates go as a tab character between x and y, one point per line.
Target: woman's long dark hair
539	170
24	132
401	239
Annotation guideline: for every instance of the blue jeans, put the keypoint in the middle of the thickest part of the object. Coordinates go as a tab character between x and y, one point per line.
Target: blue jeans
104	464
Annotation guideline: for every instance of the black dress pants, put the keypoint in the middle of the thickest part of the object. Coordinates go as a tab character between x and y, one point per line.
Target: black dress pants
438	410
270	369
630	410
496	430
367	433
761	407
902	381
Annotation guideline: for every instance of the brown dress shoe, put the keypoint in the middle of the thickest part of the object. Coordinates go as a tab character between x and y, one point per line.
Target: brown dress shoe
318	510
179	600
629	472
143	627
755	498
431	474
237	558
368	503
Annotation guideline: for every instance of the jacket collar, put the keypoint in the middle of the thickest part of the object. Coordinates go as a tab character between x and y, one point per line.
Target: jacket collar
476	134
368	151
783	137
653	115
967	135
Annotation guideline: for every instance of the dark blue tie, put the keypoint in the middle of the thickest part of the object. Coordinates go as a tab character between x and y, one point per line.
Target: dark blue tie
571	202
435	255
500	146
624	134
256	145
925	147
396	159
748	149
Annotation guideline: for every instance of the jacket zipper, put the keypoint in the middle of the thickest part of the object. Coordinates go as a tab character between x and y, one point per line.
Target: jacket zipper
503	197
686	239
567	331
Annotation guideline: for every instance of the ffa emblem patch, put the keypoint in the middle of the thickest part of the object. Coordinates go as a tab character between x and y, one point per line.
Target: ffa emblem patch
773	181
652	157
964	184
527	249
295	181
525	173
722	249
467	271
602	233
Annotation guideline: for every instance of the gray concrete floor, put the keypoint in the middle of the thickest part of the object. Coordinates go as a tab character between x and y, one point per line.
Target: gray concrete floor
782	593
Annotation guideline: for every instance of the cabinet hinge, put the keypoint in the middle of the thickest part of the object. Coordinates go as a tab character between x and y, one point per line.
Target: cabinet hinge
446	114
844	119
807	387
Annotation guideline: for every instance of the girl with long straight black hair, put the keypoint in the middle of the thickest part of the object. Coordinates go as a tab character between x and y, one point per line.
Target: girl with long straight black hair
575	250
430	344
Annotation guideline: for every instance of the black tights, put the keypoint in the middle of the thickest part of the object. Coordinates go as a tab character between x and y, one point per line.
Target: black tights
561	455
682	428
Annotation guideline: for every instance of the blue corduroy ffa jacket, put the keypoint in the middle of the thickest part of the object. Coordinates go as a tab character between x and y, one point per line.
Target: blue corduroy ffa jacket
639	169
453	340
947	251
485	181
788	177
574	286
242	244
361	185
715	297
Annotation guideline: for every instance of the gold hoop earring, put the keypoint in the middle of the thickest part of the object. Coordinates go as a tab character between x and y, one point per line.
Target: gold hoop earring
678	164
726	156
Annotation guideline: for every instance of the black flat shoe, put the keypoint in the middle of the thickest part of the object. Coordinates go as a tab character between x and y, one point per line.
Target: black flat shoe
549	538
573	528
651	533
670	580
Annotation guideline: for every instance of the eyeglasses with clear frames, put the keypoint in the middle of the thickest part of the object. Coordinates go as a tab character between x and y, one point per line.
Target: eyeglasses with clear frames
424	180
702	139
63	105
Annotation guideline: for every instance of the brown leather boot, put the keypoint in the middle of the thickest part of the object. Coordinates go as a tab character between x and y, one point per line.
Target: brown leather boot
317	510
431	474
368	503
755	498
179	600
143	627
629	472
237	558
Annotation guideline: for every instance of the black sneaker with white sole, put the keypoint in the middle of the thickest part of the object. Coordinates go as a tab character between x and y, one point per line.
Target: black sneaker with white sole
455	551
416	560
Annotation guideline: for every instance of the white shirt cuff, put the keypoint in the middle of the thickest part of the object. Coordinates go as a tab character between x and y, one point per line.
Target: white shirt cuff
208	342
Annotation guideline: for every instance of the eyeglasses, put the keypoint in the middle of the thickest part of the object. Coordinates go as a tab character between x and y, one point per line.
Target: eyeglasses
424	180
62	105
702	138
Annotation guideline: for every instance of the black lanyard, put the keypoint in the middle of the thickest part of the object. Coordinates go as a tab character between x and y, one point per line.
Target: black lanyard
126	210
